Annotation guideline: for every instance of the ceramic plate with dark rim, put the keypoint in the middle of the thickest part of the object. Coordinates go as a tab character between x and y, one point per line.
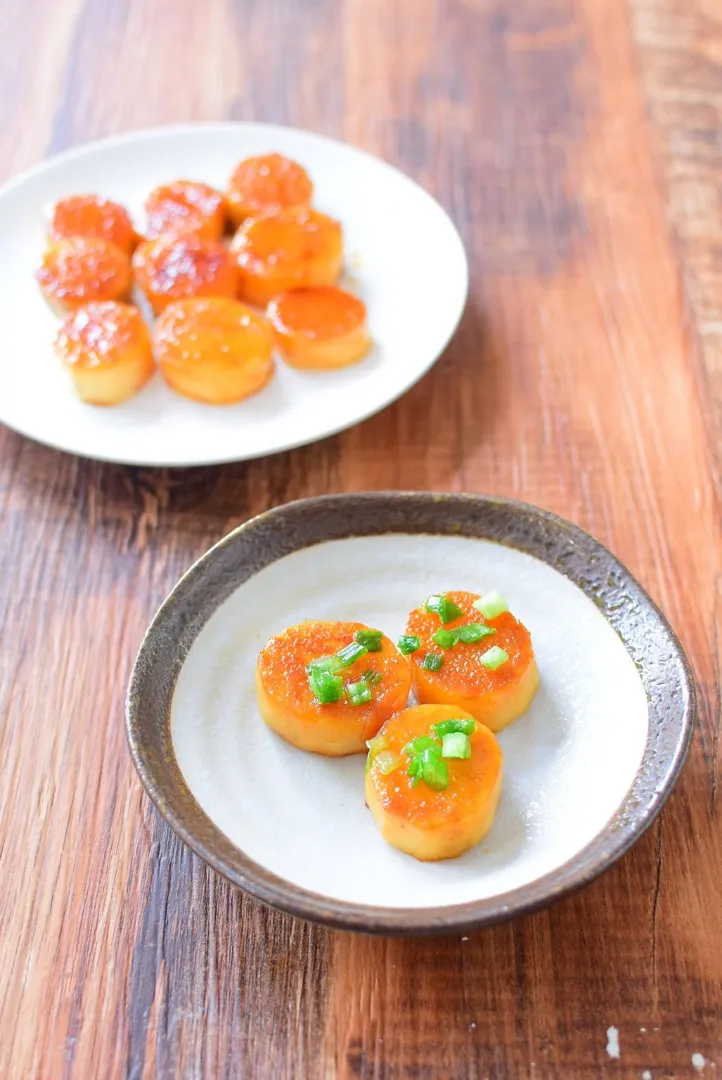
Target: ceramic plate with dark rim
586	769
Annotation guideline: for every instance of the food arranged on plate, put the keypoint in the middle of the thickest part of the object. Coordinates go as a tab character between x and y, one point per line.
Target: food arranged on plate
434	770
320	328
83	270
185	207
291	249
470	651
327	687
107	351
90	215
172	268
433	781
213	350
284	259
265	185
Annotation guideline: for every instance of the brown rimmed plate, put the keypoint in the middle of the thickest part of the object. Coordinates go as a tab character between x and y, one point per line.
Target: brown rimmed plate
587	769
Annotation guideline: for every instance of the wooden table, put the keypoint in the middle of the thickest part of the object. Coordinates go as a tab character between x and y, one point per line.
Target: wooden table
577	145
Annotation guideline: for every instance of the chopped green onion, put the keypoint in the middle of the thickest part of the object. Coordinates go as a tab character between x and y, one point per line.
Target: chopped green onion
359	693
387	762
418	745
469	633
351	653
432	661
492	605
325	663
325	686
456	745
445	638
429	767
441	605
434	770
408	643
448	727
377	743
426	763
472	632
373	678
370	639
342	659
494	657
415	769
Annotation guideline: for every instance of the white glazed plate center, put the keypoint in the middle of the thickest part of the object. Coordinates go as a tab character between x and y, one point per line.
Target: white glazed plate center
568	763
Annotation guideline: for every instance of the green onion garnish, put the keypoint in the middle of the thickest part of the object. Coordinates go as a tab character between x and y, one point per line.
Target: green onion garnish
331	664
342	659
456	745
468	634
370	639
325	686
494	657
445	638
432	769
373	678
441	605
387	762
414	770
375	745
408	643
426	763
492	605
359	693
447	727
472	632
351	653
418	745
432	661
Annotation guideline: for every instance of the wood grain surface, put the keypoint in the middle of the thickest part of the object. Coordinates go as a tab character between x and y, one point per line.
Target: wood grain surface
577	145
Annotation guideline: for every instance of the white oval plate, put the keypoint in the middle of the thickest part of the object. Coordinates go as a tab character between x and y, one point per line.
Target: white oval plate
404	258
585	770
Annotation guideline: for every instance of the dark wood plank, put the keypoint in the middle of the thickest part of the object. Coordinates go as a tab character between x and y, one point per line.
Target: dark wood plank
581	379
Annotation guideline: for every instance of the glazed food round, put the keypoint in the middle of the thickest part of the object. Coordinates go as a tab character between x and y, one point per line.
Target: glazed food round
214	350
479	658
81	270
433	781
92	216
267	184
328	687
106	349
292	249
320	328
178	268
184	208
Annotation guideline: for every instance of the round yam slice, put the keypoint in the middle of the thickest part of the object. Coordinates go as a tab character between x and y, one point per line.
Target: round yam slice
431	823
92	215
184	208
213	350
467	677
292	249
267	184
287	702
320	328
177	268
83	270
106	350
